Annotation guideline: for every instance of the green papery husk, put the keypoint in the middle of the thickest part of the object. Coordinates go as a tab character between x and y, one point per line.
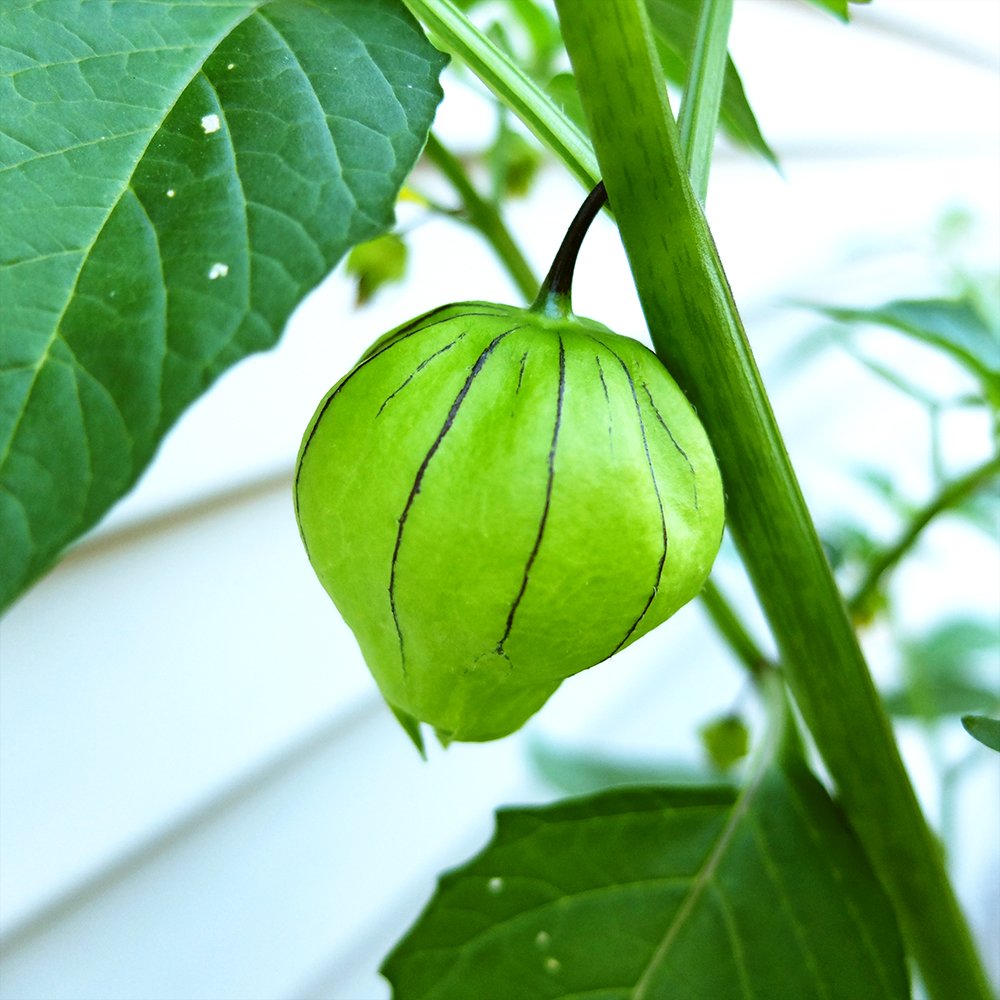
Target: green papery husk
497	499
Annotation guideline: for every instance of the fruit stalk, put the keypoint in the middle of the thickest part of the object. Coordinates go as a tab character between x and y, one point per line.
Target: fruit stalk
555	296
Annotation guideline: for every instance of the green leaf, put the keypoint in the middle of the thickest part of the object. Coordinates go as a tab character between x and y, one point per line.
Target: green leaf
562	90
987	731
837	7
726	741
846	543
940	672
514	163
543	30
949	648
956	326
676	25
376	263
661	892
982	509
176	177
575	772
944	696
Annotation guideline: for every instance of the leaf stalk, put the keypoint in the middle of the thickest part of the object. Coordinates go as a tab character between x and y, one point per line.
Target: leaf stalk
732	629
699	112
555	297
948	497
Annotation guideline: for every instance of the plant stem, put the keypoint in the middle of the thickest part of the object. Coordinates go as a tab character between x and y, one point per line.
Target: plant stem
734	631
948	497
483	216
694	324
699	112
697	123
513	87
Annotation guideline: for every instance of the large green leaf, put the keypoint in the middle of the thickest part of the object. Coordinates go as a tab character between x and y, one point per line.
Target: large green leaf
176	177
675	893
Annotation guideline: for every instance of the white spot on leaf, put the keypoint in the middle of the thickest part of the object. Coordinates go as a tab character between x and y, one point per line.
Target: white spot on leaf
542	939
211	123
171	192
231	65
552	964
495	885
218	271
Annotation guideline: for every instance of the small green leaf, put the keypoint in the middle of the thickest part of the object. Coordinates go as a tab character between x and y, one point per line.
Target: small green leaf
412	729
376	263
515	163
175	177
847	543
562	90
987	731
543	29
676	25
574	772
838	7
940	672
688	892
726	741
946	696
948	648
982	508
956	326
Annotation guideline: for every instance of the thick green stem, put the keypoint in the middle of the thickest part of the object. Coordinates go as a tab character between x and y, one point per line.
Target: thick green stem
699	112
697	332
952	494
480	214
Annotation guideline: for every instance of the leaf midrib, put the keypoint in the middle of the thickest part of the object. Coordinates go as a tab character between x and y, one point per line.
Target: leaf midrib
706	873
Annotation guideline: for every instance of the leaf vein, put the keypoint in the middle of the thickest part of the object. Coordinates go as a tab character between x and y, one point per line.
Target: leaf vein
773	874
800	807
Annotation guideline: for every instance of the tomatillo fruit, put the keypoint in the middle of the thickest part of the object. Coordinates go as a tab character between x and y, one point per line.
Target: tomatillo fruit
496	498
